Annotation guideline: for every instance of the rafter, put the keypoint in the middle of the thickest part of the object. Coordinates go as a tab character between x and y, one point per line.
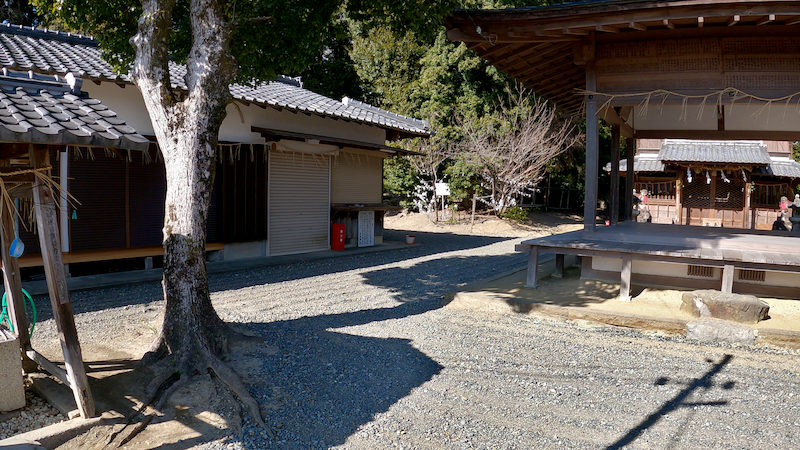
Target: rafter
667	23
606	29
700	22
734	20
766	20
637	26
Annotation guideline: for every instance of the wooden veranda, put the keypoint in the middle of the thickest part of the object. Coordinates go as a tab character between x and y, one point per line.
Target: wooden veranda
41	116
692	69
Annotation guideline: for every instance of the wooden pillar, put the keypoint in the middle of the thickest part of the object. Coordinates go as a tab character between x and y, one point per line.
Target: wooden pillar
625	279
592	153
727	279
559	273
679	198
746	222
614	197
12	282
532	280
49	240
630	151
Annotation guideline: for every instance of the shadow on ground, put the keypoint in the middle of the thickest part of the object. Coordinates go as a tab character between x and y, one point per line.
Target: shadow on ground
134	294
316	383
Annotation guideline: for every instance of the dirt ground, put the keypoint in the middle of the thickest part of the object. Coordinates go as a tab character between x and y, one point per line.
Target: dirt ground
541	223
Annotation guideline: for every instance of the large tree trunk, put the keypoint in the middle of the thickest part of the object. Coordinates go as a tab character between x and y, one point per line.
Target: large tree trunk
193	339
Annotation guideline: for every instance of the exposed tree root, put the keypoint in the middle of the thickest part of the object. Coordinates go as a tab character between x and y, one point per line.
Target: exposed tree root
170	375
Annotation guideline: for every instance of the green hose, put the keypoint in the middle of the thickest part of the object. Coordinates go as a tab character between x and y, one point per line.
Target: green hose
4	312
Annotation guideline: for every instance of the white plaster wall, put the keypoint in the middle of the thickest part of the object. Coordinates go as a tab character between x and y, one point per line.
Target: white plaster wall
649	268
782	279
129	106
776	117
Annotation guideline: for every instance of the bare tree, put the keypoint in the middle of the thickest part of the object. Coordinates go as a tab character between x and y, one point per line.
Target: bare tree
513	146
427	163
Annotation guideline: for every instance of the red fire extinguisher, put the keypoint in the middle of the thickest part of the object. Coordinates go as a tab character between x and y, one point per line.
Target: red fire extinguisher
337	236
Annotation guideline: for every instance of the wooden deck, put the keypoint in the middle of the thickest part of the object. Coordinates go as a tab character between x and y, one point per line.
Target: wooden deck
106	255
707	246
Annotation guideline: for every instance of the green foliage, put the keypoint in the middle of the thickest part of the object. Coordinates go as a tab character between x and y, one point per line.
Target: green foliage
333	73
269	36
400	180
796	151
516	214
464	178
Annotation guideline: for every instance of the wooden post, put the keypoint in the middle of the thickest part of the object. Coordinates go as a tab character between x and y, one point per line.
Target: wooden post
533	268
614	197
625	279
679	198
746	211
630	152
13	285
49	240
559	273
474	205
727	279
592	153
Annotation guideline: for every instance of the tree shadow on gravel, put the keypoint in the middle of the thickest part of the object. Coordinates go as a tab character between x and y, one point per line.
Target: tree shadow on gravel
701	384
146	292
321	384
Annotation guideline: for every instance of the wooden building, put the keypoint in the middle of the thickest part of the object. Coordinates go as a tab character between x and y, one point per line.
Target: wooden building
290	163
733	184
692	69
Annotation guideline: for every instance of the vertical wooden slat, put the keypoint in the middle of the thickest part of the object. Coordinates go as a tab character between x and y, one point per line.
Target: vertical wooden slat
630	151
47	225
532	280
625	279
727	278
559	273
592	152
614	174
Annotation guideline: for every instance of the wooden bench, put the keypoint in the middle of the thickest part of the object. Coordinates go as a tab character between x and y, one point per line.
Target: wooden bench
106	255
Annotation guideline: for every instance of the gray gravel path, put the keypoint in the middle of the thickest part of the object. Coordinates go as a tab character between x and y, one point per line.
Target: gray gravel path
364	356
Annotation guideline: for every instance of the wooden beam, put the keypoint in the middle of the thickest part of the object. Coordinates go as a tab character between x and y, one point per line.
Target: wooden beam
734	20
700	21
766	20
575	31
606	29
532	278
793	21
727	279
630	151
12	282
625	279
637	26
612	116
592	153
667	23
49	240
614	185
730	135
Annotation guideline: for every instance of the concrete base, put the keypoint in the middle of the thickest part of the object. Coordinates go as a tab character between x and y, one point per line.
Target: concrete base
244	250
12	388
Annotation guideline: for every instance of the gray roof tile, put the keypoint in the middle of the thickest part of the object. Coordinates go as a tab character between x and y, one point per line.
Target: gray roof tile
52	52
43	112
714	152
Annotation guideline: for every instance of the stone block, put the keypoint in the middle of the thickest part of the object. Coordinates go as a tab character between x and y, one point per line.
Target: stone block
734	307
12	388
707	329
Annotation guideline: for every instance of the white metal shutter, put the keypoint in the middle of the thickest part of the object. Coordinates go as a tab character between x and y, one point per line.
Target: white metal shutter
299	202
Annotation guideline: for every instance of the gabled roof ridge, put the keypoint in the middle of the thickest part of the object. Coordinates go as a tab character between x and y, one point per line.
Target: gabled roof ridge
47	33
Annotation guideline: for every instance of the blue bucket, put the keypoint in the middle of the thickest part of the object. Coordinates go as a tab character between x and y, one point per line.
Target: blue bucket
16	248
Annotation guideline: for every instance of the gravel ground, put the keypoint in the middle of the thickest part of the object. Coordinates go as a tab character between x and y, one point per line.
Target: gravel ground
362	355
36	414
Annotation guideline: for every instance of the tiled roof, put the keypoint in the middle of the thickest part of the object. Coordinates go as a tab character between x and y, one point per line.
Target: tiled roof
53	110
783	167
640	164
714	152
52	52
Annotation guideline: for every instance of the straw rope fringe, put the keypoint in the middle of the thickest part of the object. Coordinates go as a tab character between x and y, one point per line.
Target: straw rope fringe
41	176
730	94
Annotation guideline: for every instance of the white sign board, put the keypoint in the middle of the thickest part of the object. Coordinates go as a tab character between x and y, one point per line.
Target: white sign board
442	189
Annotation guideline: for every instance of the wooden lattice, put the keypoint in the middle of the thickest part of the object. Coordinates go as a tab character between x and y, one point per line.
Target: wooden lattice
658	190
769	194
697	193
752	275
700	271
729	195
